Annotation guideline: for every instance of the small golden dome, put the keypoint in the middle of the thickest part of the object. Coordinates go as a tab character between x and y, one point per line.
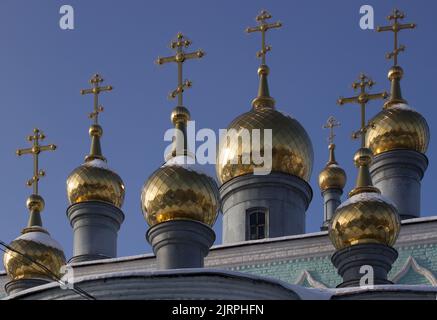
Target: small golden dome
292	150
178	191
364	218
332	176
94	181
398	127
41	248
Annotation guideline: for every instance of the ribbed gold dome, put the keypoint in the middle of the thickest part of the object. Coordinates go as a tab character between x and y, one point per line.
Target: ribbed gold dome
398	127
93	181
332	176
366	217
180	192
41	248
292	151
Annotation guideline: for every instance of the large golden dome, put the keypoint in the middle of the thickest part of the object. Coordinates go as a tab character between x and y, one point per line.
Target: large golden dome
41	248
179	191
94	181
292	151
366	217
398	127
332	176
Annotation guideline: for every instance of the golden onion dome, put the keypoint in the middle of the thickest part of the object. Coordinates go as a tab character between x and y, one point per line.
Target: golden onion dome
39	247
179	190
292	150
366	217
397	126
291	147
332	176
94	181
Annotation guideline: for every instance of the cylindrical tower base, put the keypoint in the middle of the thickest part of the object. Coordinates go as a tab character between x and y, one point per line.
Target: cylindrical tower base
364	264
95	229
284	199
331	200
398	175
180	243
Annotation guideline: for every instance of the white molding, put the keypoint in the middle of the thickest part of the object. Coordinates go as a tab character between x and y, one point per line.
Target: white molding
412	263
305	275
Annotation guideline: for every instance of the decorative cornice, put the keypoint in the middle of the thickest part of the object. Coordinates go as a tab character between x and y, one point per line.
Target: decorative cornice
412	263
305	275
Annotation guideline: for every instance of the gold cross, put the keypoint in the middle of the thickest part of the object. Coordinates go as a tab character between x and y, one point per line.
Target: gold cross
95	90
180	57
263	28
35	150
395	28
362	99
331	124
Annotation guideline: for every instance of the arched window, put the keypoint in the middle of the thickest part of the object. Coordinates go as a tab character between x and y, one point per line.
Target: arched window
257	223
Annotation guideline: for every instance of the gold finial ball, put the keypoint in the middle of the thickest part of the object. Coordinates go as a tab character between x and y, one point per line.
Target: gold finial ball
35	203
175	192
95	131
263	69
395	72
180	114
291	147
396	127
363	157
364	218
94	181
39	247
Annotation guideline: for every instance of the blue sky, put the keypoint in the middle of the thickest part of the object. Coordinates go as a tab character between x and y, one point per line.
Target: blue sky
317	54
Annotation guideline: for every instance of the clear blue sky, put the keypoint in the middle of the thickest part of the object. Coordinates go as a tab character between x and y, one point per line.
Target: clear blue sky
316	55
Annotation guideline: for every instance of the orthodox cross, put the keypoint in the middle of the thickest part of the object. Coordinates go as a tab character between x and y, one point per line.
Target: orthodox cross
263	27
180	57
331	124
35	150
396	27
362	99
96	89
